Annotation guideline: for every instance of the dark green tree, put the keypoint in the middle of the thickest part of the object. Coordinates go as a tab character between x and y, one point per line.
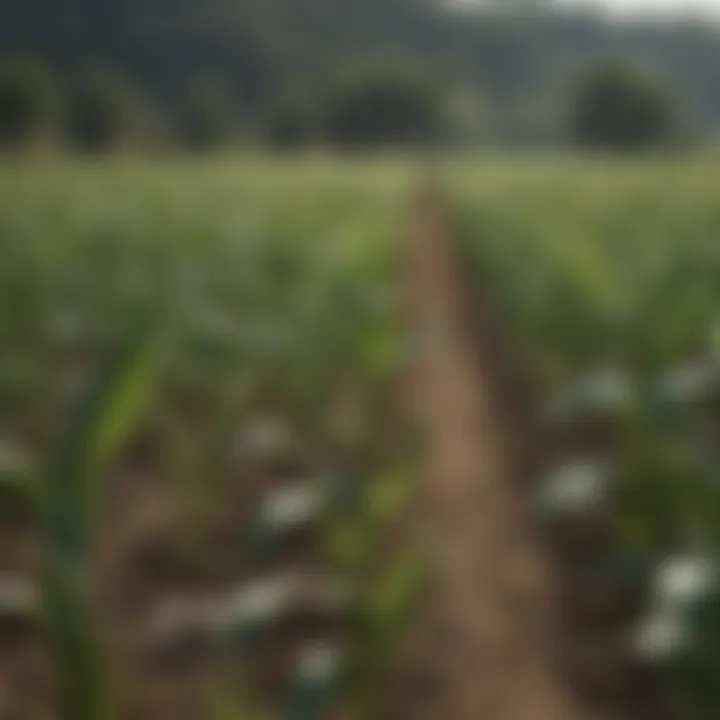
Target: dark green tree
208	118
382	106
103	112
27	102
293	121
617	107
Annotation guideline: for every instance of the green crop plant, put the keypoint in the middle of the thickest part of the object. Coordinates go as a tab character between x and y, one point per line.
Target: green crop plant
607	278
106	413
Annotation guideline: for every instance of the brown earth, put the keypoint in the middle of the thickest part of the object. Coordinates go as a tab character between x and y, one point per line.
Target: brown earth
487	640
156	561
510	629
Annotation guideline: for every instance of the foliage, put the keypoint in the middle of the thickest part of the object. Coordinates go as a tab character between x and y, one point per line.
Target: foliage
103	111
141	295
208	117
294	121
378	106
27	101
613	300
509	59
616	107
107	413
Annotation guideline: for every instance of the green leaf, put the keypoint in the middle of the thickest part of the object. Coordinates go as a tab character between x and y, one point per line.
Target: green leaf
122	400
105	416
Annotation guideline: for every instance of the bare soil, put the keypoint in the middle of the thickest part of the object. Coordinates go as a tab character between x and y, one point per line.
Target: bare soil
511	628
487	640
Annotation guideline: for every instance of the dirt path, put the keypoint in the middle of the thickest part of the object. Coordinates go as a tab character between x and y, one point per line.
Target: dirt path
487	641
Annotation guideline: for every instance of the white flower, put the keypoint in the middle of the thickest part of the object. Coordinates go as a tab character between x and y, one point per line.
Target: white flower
12	458
576	487
260	600
17	596
294	506
659	636
683	579
319	662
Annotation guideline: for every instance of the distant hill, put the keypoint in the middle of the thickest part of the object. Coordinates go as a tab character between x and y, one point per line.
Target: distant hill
520	63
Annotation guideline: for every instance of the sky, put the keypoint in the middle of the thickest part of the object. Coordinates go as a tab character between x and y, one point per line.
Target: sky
655	7
620	8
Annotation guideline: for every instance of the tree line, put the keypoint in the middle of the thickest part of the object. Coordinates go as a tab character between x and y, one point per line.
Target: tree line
101	110
510	68
611	106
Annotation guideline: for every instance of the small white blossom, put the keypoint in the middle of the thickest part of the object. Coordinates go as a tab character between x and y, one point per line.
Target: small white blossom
294	506
319	662
13	459
18	597
683	579
659	636
576	487
261	600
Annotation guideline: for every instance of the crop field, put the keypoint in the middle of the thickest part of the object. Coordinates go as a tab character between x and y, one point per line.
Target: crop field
608	277
194	389
204	456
